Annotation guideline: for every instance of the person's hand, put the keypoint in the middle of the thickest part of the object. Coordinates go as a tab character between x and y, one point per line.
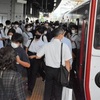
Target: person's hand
33	56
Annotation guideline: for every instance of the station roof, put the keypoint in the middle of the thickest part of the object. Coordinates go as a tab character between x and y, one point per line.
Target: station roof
45	5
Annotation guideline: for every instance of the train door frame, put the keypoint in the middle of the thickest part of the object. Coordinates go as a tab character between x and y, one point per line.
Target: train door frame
93	6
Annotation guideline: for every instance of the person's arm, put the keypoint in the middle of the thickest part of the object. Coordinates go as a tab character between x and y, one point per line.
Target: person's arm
32	56
23	63
67	57
26	49
68	66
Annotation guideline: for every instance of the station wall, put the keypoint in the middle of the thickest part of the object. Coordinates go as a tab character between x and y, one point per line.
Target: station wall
10	10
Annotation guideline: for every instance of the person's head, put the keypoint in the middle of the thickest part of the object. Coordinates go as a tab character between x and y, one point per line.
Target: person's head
56	24
8	23
58	33
11	32
1	26
28	27
12	24
74	29
17	40
39	31
46	25
7	58
37	22
16	24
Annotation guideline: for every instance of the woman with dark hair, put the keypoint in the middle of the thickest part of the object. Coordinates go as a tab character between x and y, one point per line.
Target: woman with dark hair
12	82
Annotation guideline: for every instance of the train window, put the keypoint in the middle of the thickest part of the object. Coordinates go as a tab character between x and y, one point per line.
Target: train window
97	28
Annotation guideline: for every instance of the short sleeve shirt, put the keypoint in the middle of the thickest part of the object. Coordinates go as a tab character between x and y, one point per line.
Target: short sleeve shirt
52	52
23	56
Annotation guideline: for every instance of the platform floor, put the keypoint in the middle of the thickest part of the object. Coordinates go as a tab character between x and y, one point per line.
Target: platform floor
38	90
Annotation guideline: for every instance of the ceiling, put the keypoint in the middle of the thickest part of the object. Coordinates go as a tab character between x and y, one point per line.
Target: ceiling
44	5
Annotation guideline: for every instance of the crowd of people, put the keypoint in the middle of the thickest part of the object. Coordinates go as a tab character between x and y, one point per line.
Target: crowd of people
28	50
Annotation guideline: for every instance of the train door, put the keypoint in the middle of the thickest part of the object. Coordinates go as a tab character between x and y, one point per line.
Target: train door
92	60
82	56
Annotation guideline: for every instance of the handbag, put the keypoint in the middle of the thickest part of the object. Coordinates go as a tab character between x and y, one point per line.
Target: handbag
63	75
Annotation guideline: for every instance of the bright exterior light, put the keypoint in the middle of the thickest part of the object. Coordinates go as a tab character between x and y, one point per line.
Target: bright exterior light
65	6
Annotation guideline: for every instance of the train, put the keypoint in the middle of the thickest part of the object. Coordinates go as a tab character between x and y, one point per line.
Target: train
88	16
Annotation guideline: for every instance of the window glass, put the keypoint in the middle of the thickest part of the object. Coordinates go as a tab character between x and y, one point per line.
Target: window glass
97	28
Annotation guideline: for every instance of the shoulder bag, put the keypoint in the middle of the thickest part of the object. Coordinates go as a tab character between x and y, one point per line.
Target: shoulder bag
63	75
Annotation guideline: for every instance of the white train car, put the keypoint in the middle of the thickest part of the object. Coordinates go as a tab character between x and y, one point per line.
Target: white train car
89	62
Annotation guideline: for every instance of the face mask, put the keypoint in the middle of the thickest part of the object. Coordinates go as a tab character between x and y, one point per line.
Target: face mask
73	31
14	45
28	29
16	26
8	26
38	36
10	36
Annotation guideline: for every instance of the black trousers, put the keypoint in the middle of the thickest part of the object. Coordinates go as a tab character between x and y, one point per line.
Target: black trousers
74	60
52	87
32	72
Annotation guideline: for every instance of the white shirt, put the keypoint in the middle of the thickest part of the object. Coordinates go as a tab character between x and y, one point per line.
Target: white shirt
5	33
1	42
68	43
44	39
18	30
52	52
27	38
74	38
36	45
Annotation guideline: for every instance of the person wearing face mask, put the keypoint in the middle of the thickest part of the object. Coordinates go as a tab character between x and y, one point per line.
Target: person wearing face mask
22	61
27	35
52	52
17	28
10	33
6	29
74	37
48	30
74	41
35	67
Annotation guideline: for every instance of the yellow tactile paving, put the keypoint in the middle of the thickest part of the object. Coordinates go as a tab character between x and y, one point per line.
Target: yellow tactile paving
38	90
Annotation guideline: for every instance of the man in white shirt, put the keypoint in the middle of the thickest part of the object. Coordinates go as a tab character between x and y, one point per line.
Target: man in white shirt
33	48
52	52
